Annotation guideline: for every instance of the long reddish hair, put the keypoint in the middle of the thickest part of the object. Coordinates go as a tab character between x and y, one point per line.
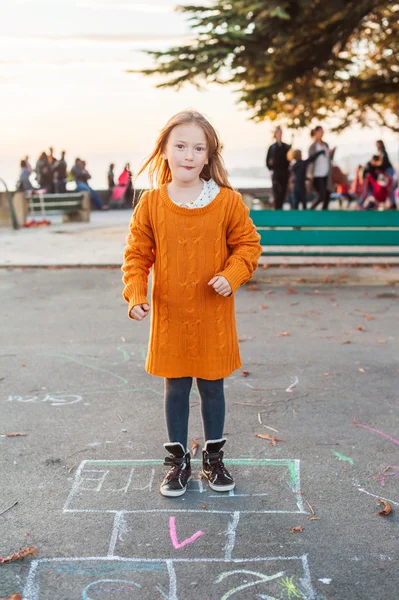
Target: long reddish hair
158	167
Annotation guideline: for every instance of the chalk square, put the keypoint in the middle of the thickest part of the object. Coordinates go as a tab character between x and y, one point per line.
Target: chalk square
268	579
90	578
263	486
175	535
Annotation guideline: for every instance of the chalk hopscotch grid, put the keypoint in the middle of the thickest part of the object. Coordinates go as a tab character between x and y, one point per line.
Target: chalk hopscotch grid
32	589
293	466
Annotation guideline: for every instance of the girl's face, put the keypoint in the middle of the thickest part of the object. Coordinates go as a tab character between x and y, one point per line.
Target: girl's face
187	153
319	134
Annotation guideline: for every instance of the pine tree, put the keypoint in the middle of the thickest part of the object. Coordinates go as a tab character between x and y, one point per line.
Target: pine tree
297	61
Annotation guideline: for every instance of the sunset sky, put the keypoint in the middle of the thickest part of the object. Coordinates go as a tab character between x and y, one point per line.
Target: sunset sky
64	83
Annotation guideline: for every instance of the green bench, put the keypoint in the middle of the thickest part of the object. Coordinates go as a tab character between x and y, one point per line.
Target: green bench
328	229
55	203
74	206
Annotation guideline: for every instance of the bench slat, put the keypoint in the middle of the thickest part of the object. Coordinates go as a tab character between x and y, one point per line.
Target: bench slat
333	218
337	237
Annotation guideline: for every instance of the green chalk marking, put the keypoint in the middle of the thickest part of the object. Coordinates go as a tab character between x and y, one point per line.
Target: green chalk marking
290	464
71	358
342	457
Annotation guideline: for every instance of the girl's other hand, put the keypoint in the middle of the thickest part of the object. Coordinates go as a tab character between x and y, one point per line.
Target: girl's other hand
139	312
220	285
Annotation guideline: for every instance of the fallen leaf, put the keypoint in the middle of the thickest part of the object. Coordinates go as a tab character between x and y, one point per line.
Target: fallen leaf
290	292
245	373
194	447
265	266
369	317
297	529
1	378
252	287
244	339
313	518
283	334
263	306
203	506
387	508
13	597
346	342
300	280
18	555
382	341
362	370
265	436
361	328
16	434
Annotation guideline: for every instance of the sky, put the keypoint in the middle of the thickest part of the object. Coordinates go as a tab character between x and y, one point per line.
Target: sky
63	83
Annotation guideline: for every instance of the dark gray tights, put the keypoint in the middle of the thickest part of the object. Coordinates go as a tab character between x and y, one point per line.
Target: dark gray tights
177	407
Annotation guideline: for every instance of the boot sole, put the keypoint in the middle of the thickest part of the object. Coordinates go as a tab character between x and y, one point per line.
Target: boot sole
173	493
222	488
219	488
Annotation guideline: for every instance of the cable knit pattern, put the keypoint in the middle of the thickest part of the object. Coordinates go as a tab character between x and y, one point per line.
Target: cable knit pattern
193	331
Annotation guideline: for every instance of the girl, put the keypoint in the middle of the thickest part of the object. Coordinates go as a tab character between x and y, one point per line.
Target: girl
194	230
321	170
298	169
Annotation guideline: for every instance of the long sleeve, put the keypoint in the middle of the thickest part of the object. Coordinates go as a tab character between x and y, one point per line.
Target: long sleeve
243	242
139	256
313	157
269	158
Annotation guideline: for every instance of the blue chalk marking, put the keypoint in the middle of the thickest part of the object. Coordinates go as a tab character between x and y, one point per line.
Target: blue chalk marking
100	581
96	570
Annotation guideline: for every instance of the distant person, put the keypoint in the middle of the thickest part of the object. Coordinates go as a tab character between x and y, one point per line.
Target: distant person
24	183
44	174
373	167
320	170
122	193
387	167
356	187
278	163
126	177
381	191
110	180
60	172
28	165
51	157
385	163
82	176
298	169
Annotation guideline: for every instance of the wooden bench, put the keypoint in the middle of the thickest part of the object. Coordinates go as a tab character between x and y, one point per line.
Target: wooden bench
71	205
325	233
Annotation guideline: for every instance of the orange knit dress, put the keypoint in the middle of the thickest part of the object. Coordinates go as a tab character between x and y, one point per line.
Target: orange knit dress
193	329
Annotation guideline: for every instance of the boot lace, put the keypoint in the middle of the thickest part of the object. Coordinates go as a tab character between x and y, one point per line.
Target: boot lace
176	465
217	465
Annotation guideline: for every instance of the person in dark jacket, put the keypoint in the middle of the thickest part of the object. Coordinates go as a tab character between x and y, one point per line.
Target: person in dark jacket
44	174
60	171
278	164
386	164
298	169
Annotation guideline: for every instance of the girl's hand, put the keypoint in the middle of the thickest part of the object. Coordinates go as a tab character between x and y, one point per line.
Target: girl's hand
139	312
220	285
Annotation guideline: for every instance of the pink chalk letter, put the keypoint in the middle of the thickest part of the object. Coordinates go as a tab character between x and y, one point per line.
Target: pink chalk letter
173	535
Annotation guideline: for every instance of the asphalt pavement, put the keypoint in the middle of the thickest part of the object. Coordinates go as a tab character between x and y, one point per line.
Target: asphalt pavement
319	376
